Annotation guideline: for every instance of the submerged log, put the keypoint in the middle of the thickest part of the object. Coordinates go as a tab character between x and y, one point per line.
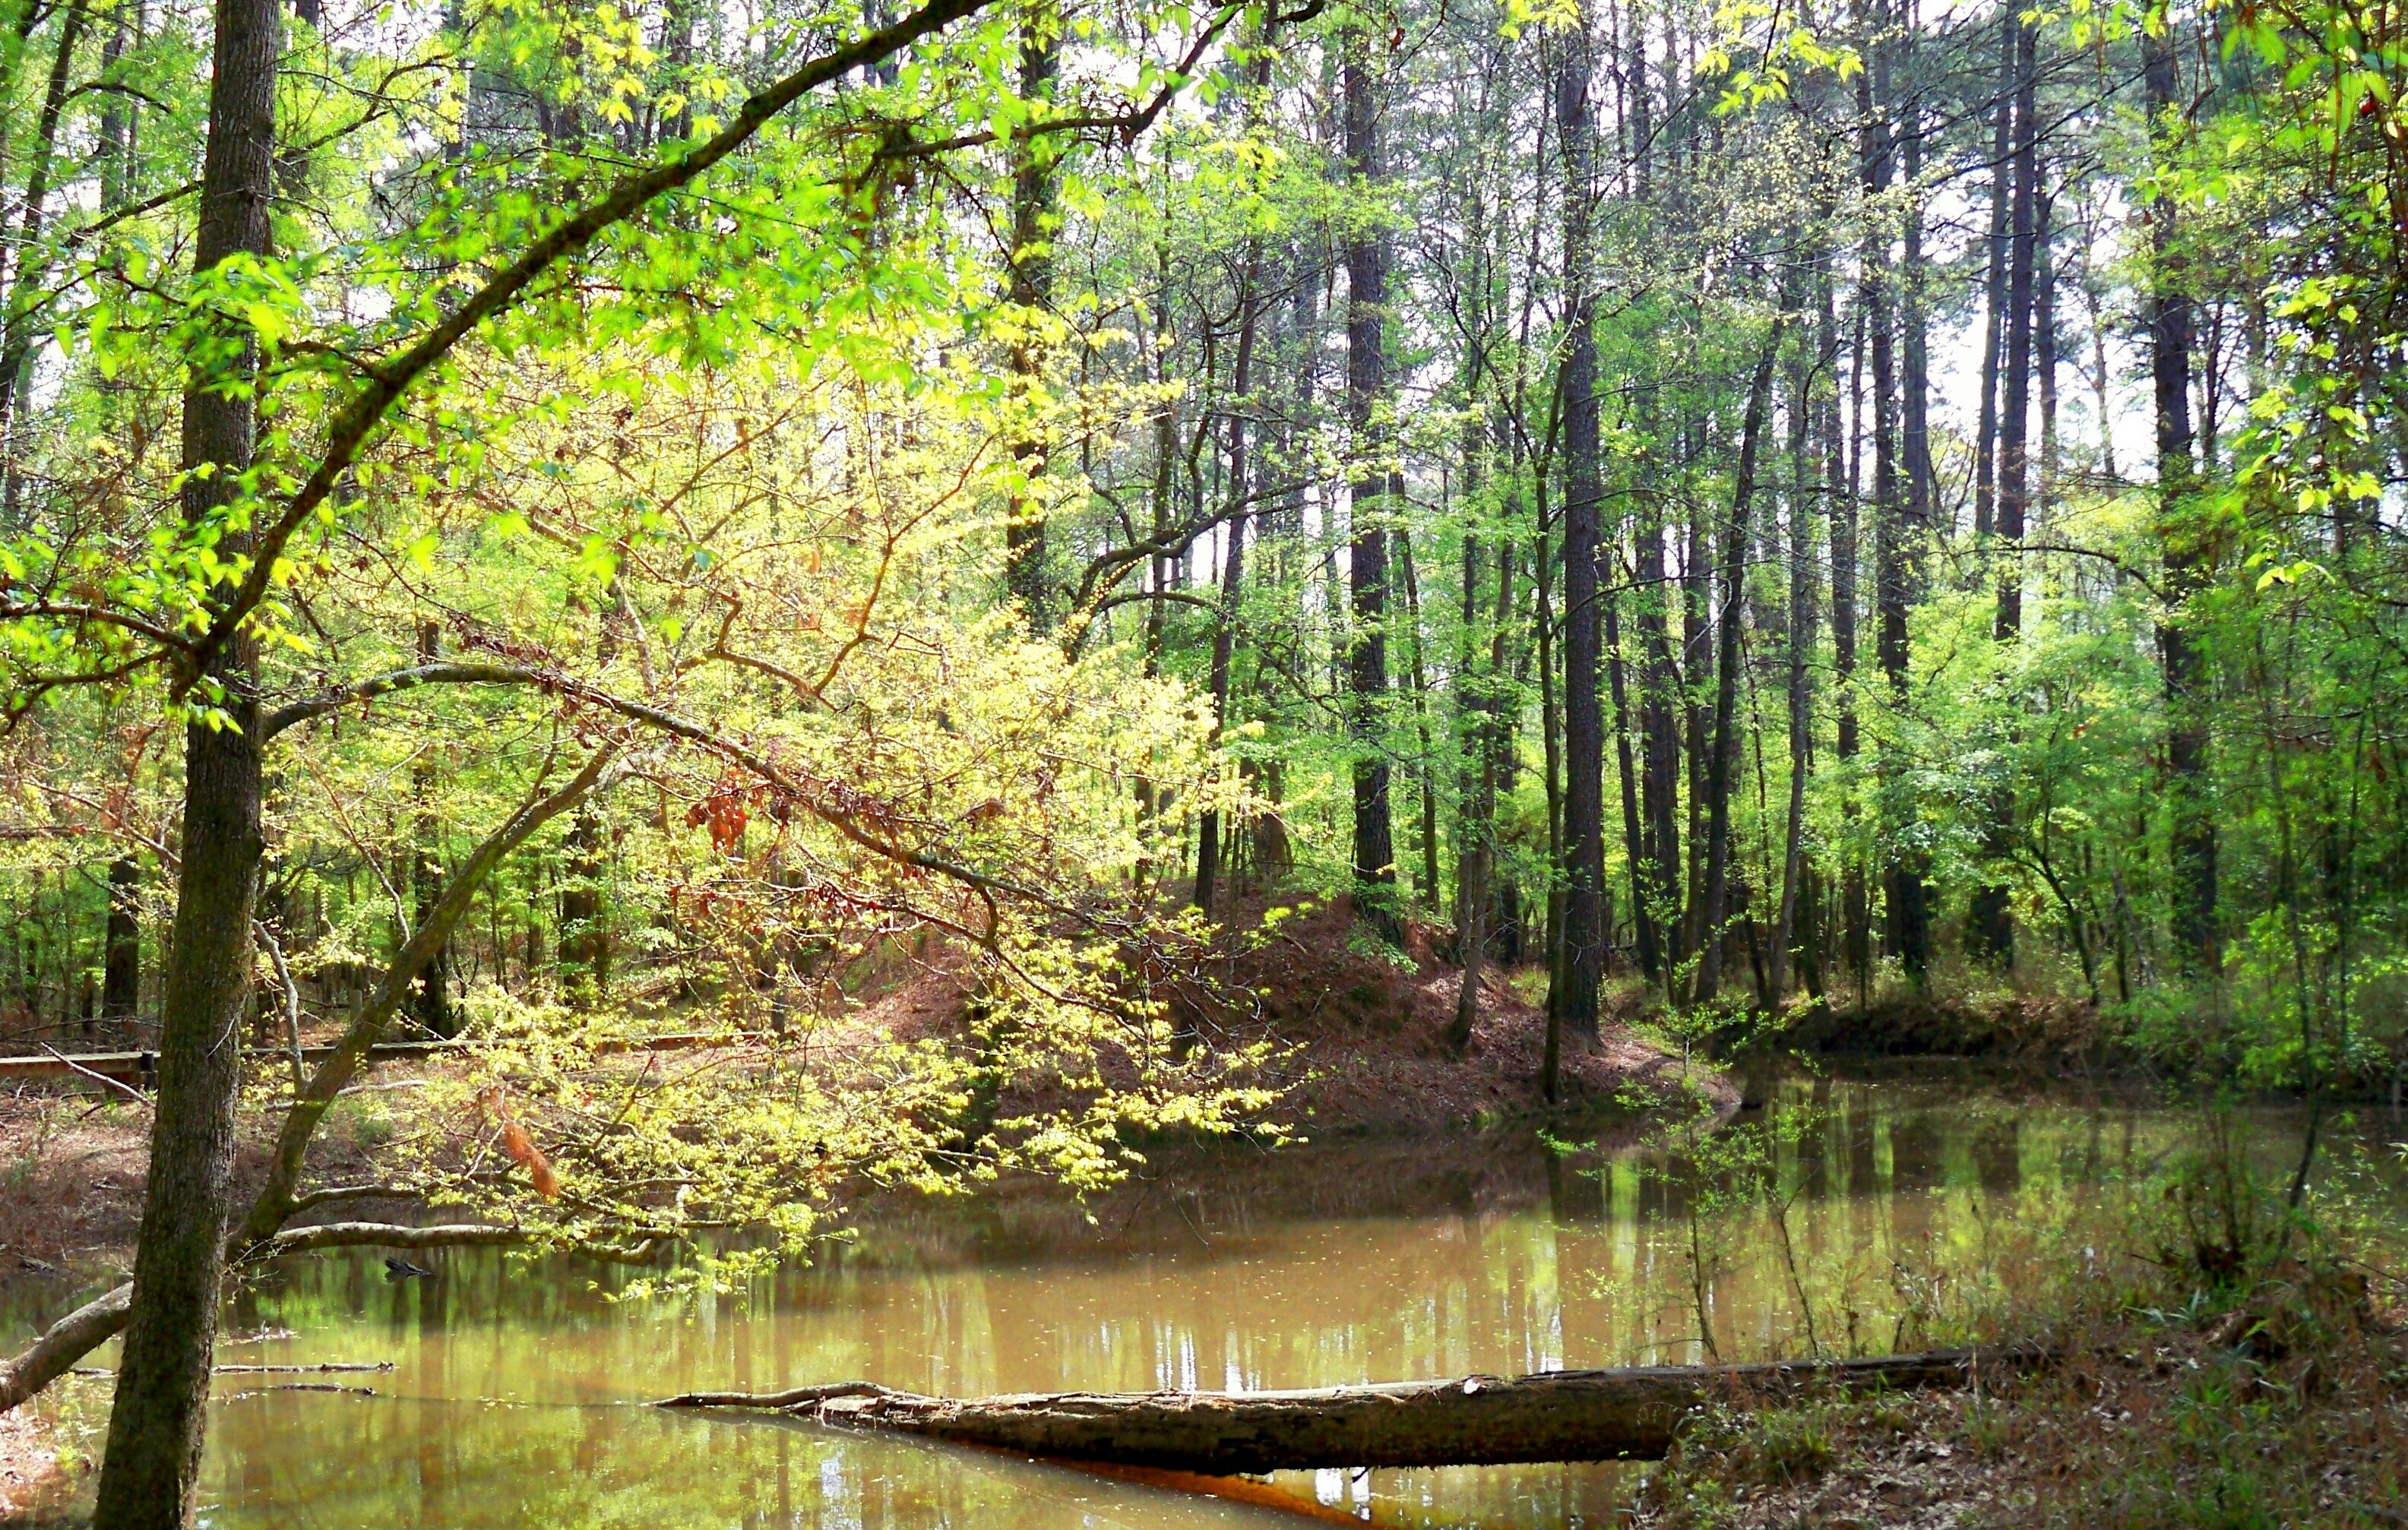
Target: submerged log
1477	1421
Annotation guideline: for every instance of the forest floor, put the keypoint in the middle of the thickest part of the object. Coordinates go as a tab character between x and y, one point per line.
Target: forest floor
2285	1408
1360	1031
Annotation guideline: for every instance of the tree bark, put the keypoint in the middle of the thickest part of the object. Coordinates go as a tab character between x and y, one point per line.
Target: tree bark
1583	848
120	960
1592	1415
1477	792
1724	763
1031	293
432	1004
157	1418
1855	917
1909	918
1990	929
1985	430
2192	850
1634	834
1804	487
1367	302
1233	566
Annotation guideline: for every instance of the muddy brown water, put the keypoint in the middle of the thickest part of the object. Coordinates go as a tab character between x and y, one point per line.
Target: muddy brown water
517	1390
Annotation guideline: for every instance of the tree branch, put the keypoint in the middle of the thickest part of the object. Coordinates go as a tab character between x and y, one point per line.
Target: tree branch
350	431
387	1235
446	673
63	1343
274	1202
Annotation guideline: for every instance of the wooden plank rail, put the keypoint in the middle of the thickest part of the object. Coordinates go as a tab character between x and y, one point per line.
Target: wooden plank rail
140	1068
1475	1420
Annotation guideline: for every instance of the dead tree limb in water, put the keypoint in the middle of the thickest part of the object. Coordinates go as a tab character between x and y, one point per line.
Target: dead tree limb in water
1478	1421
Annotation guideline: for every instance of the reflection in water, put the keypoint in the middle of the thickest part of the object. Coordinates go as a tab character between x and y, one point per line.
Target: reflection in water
515	1396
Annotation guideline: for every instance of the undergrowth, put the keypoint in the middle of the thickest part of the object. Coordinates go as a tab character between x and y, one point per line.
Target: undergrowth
2240	1361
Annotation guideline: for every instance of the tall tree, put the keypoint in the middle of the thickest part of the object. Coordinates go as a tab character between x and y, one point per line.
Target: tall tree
1367	478
161	1401
1586	922
1909	918
1990	930
1724	765
1031	293
2193	845
2002	114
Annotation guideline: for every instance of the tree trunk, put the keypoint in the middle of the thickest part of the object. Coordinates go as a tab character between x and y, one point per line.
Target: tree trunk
1909	920
1804	485
1477	1421
1724	763
1855	917
1477	791
30	270
1634	834
2044	470
1428	892
160	1408
1985	432
1233	566
1697	669
1031	292
120	960
1990	929
2193	845
1367	302
432	1003
1583	870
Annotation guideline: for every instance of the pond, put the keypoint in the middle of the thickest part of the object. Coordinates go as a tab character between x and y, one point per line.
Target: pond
516	1394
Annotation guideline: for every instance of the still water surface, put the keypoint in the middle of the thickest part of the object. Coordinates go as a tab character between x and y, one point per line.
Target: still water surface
516	1396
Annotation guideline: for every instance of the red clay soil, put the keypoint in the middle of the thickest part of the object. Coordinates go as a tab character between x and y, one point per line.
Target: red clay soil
71	1174
1373	1035
1365	1032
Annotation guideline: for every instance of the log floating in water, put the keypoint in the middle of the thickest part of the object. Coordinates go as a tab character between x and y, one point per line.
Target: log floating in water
1477	1421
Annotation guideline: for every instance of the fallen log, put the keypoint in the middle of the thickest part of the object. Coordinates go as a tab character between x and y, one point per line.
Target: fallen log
1477	1421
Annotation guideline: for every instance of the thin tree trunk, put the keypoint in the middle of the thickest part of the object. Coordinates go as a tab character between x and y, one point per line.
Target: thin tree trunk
1724	763
121	970
432	1003
30	269
1986	432
1224	632
1429	877
1697	669
1634	834
1909	920
2044	359
1475	707
1855	916
1804	487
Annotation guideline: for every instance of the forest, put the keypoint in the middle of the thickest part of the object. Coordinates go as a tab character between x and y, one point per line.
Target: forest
770	605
